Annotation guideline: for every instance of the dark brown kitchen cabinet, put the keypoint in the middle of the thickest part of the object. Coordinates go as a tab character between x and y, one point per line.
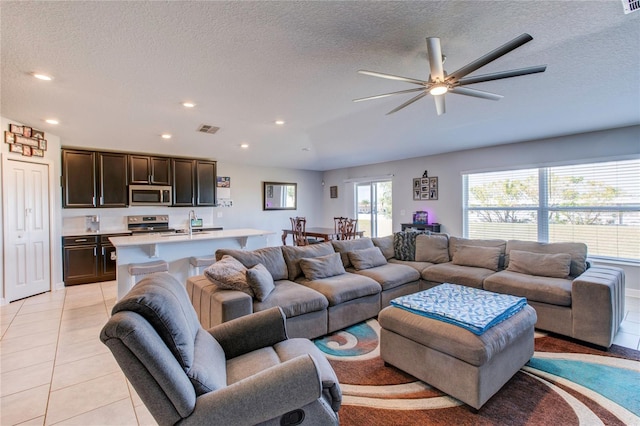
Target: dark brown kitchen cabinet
150	170
194	182
183	173
94	179
112	180
205	183
88	259
80	257
78	178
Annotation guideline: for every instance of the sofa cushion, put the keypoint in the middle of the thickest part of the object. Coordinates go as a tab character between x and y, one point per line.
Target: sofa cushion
345	246
480	257
315	268
470	276
545	265
454	242
418	266
260	281
432	248
343	288
404	244
294	299
391	275
164	303
578	252
270	257
228	273
366	258
385	244
554	291
293	254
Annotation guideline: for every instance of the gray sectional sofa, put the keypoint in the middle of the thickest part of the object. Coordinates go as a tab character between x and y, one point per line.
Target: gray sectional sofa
326	287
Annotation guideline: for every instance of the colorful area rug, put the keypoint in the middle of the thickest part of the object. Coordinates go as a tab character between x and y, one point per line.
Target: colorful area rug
565	383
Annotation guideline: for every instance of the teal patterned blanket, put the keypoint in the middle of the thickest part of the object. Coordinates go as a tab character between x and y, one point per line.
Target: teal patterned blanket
470	308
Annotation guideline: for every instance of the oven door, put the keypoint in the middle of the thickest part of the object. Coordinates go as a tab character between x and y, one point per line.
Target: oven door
149	195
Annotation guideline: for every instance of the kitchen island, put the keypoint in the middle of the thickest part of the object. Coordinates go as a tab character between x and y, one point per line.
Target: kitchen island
176	249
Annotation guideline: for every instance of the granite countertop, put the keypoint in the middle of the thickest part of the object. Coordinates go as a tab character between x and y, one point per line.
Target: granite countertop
146	239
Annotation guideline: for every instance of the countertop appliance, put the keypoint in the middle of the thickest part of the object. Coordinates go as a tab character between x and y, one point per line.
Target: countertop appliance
149	223
149	195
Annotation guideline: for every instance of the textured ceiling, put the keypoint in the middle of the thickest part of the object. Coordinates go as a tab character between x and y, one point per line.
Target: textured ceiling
122	70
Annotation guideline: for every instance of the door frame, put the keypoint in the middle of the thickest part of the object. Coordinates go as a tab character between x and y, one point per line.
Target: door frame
52	203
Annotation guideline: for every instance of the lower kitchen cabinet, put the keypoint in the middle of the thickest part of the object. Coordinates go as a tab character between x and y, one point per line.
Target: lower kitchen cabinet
88	259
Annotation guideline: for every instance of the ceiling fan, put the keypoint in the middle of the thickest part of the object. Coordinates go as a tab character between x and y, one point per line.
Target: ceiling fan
440	82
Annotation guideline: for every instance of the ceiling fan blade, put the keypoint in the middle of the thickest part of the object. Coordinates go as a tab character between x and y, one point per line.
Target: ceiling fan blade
475	93
502	74
489	57
384	95
409	102
435	59
440	109
392	77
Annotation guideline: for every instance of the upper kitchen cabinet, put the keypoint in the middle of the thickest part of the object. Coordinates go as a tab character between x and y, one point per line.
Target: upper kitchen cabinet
78	178
93	179
149	170
112	180
194	182
183	181
205	183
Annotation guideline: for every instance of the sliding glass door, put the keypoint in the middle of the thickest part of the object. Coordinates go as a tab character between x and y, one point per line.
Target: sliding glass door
373	207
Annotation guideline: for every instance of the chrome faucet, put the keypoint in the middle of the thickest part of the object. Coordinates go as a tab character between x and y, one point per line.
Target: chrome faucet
192	217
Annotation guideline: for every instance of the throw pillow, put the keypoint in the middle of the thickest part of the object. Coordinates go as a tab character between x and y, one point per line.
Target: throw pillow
404	244
260	281
229	274
480	257
367	258
385	244
544	265
315	268
432	248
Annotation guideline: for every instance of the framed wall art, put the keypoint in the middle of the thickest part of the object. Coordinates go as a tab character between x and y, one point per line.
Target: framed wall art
333	191
425	187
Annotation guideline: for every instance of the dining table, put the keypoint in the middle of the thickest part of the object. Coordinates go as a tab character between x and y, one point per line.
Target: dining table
326	234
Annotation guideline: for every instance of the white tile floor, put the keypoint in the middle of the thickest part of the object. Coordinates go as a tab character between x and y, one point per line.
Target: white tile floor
55	370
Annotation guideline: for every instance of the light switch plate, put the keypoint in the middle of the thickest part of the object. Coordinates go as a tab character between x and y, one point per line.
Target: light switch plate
219	215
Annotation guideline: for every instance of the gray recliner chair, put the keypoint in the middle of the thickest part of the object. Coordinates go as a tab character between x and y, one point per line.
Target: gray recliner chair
242	372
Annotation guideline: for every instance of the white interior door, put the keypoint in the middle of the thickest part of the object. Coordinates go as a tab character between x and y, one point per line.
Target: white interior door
26	234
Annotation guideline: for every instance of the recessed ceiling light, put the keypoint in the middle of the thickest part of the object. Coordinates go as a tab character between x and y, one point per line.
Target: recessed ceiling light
188	104
165	136
42	77
52	121
280	122
244	145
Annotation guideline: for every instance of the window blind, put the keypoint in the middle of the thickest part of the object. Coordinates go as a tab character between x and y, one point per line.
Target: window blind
596	203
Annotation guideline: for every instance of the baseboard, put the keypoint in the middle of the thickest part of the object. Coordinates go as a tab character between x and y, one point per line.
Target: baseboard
631	292
58	286
3	301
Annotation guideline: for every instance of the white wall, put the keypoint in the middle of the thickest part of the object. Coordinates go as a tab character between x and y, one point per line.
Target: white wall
447	210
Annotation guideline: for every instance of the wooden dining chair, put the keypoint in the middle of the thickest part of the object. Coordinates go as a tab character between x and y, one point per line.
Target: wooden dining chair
338	224
347	229
298	229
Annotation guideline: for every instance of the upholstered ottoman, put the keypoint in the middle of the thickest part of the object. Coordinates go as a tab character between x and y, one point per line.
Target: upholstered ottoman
469	367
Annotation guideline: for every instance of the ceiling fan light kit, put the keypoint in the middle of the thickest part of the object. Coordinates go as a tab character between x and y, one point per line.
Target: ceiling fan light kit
440	83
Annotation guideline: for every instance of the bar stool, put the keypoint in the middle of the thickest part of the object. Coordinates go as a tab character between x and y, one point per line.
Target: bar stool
195	263
136	269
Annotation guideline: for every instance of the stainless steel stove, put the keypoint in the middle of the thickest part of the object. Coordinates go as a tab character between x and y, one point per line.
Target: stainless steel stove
149	224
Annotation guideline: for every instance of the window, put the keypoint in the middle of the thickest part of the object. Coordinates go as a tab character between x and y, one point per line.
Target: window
597	203
373	207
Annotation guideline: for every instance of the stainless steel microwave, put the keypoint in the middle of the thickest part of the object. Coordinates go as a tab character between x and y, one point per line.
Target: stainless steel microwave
149	195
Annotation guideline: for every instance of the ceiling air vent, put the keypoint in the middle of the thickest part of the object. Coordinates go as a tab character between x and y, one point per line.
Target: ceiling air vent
631	5
207	128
